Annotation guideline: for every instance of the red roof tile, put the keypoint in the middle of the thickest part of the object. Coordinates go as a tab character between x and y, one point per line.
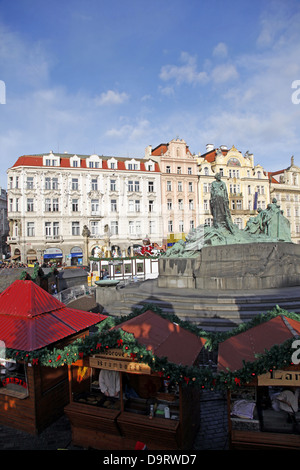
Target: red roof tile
31	318
244	346
164	338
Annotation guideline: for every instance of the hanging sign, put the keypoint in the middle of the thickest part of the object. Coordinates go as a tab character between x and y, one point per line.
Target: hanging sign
115	359
280	377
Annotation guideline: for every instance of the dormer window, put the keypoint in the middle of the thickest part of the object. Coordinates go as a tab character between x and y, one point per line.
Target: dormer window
75	161
112	164
94	161
132	165
51	160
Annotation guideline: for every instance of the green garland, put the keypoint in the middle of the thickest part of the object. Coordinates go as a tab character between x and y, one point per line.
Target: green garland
279	356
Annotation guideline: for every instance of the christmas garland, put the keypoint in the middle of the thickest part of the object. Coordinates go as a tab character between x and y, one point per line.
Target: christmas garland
277	357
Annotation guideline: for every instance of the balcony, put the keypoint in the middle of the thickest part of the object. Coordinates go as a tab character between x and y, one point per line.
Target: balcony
54	239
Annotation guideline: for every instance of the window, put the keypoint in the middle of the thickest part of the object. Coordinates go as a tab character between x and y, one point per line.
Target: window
75	228
137	206
151	206
114	228
189	170
130	186
94	184
11	205
17	204
95	227
249	189
168	169
169	204
169	186
131	227
170	226
95	206
48	231
191	204
30	207
54	183
192	224
75	184
150	186
151	226
190	187
47	205
181	226
206	171
55	229
30	229
179	186
179	170
74	205
113	185
205	204
131	205
137	186
47	183
29	182
239	204
113	205
180	204
55	205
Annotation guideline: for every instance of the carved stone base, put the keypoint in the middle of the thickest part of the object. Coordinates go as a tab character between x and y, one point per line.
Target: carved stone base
241	266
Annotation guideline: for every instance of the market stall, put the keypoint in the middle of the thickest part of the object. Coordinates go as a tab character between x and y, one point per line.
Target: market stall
263	403
128	391
33	326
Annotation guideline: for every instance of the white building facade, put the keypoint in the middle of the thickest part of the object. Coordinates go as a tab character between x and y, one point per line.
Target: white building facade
66	208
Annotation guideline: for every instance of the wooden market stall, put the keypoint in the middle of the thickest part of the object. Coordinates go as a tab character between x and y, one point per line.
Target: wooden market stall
120	400
263	410
32	394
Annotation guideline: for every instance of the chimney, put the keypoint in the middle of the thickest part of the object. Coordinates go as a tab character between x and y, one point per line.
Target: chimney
209	147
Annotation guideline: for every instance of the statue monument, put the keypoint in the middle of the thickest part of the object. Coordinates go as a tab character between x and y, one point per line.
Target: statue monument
223	256
268	225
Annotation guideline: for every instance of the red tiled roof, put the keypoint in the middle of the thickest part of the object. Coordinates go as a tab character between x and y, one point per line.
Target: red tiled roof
244	346
164	338
31	318
37	160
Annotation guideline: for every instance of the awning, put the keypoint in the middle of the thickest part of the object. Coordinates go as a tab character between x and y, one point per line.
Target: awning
53	255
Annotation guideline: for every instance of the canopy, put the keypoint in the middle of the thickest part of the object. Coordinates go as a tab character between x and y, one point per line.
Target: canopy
31	318
164	338
244	346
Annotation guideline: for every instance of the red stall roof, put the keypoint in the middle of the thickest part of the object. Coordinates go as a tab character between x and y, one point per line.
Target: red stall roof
164	338
31	318
245	345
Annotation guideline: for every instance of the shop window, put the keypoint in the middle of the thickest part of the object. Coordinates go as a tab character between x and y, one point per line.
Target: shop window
13	379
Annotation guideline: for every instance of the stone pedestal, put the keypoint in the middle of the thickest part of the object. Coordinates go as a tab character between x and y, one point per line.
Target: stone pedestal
234	267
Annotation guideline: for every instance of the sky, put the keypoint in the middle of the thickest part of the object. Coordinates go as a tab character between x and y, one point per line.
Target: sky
111	78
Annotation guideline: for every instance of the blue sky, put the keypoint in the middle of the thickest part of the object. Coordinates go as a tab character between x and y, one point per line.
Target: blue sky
92	76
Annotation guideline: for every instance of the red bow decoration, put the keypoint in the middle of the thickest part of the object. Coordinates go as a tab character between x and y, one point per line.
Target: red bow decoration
81	355
120	342
133	356
58	358
98	346
35	361
237	381
186	379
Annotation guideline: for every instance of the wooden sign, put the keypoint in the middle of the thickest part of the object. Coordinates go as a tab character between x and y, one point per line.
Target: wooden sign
115	359
280	377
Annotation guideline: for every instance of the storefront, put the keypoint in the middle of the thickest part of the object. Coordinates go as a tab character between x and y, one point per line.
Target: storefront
263	410
117	399
76	255
32	393
53	256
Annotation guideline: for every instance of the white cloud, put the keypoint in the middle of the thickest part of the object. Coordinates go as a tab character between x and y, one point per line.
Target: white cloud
224	72
186	73
111	97
220	50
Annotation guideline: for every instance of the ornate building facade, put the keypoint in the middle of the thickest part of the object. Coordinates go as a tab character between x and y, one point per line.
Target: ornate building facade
179	188
63	207
285	188
68	207
247	183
